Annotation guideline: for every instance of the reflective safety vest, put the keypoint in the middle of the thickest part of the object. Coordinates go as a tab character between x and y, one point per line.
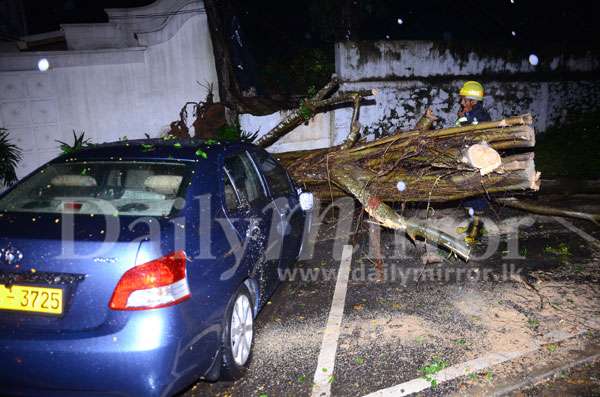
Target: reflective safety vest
475	116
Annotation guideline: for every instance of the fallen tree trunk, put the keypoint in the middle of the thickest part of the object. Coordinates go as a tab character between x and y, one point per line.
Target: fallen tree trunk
421	166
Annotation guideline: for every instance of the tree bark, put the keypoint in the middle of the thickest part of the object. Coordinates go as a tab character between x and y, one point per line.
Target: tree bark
428	165
308	109
546	210
218	14
420	166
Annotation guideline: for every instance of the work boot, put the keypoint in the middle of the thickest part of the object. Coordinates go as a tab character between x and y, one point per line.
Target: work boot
474	230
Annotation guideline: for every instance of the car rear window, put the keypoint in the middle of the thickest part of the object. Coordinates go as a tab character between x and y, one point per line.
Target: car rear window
101	187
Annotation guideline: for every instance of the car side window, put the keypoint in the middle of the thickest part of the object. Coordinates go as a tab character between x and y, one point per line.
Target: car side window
276	177
242	183
232	201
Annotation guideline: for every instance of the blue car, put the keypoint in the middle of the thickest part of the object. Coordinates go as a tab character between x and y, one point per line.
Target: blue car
136	268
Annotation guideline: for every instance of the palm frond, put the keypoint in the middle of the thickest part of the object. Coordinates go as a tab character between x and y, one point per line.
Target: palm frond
10	156
79	142
233	133
249	137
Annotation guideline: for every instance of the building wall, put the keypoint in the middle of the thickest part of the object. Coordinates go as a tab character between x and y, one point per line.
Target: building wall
410	76
110	92
311	135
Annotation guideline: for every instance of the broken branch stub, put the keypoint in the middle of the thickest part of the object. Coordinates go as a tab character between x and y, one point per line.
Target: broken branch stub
354	133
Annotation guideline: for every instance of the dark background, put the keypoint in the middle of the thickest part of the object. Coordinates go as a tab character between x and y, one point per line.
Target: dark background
292	41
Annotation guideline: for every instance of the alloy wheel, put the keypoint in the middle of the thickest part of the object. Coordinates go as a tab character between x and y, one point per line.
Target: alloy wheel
241	330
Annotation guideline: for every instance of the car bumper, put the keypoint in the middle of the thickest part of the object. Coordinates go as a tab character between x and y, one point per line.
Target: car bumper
149	353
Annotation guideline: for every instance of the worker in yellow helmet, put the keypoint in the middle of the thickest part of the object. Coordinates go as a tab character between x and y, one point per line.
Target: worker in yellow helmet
471	108
472	112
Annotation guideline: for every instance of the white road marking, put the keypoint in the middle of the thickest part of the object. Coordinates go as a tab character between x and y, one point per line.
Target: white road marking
587	237
530	381
462	369
325	366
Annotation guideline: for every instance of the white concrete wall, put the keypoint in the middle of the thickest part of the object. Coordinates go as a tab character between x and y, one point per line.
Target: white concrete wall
385	60
413	75
109	93
311	135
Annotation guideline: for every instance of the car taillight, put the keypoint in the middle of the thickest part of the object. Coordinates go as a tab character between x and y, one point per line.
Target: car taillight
158	283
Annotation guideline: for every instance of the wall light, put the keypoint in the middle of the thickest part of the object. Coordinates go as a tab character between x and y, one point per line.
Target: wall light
43	65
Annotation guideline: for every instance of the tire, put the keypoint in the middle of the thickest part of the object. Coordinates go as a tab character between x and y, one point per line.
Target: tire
238	335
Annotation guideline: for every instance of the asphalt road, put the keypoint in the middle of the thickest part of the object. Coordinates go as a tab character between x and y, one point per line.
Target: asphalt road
426	318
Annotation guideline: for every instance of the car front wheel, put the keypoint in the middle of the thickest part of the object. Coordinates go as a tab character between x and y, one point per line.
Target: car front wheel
238	335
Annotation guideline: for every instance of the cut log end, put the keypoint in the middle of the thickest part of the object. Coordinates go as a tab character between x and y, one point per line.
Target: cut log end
483	157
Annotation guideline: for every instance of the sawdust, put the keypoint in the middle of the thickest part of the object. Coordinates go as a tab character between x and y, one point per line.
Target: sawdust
276	340
505	329
568	305
405	329
513	320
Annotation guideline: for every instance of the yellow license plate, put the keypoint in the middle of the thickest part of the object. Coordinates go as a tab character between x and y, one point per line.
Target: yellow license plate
31	299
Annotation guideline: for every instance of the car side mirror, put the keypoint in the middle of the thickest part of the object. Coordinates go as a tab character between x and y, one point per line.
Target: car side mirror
307	201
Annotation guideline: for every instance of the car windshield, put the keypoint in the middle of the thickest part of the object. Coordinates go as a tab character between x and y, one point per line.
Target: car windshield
101	187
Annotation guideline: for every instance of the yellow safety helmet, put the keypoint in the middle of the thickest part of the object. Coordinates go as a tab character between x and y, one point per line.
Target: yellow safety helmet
472	90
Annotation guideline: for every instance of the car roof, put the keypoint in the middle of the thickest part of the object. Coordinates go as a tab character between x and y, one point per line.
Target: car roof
152	149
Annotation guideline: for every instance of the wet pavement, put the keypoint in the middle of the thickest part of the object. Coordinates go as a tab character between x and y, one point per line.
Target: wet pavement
404	320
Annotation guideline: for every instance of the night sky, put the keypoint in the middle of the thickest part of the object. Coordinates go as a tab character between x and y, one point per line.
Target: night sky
373	19
292	39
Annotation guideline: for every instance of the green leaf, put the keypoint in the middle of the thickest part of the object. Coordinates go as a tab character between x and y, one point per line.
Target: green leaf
201	153
427	371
